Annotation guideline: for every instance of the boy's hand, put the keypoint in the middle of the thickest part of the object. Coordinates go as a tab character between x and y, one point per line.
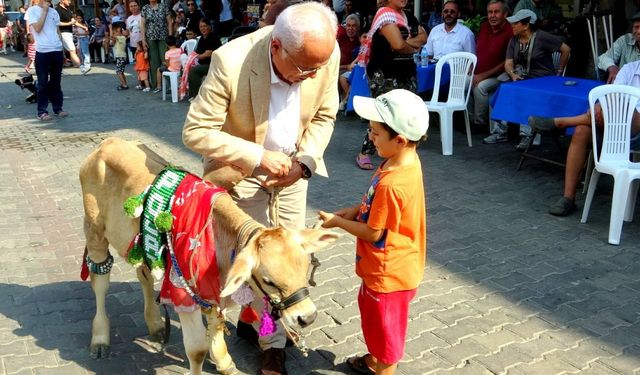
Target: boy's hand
348	213
328	219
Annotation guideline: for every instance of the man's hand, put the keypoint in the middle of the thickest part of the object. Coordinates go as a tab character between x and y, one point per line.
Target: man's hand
613	72
276	164
295	173
477	78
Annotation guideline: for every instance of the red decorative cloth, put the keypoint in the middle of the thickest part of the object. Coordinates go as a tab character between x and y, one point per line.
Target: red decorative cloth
194	246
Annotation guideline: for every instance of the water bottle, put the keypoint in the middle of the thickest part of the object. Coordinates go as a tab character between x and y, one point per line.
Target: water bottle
424	59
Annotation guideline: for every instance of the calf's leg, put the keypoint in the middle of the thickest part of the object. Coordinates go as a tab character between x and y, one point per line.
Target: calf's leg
98	252
195	340
218	349
152	315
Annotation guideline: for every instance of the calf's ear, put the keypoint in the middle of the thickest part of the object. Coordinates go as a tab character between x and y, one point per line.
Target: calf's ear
314	240
241	269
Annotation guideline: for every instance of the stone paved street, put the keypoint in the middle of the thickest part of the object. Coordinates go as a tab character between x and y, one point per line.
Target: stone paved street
508	288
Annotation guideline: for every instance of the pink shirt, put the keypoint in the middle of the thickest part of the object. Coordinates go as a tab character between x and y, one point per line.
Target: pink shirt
172	57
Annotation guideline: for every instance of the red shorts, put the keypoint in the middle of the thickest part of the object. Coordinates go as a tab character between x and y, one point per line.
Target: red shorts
384	322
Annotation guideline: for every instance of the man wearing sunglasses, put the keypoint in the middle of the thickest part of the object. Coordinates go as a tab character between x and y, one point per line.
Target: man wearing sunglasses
193	16
262	120
450	36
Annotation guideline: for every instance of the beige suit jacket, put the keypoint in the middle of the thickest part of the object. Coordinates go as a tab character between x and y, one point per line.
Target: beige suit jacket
228	120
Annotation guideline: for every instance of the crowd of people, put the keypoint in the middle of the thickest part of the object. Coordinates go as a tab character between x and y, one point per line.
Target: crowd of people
509	46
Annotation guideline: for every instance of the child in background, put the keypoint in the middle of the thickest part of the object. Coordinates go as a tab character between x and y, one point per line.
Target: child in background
142	68
171	61
81	31
119	43
31	53
390	226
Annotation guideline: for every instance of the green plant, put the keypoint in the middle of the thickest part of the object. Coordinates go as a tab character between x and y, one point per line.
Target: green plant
474	22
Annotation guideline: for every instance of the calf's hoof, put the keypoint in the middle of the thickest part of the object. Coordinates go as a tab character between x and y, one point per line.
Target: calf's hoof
160	336
231	370
100	351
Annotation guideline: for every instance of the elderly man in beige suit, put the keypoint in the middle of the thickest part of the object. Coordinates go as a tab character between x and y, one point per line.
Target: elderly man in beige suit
262	120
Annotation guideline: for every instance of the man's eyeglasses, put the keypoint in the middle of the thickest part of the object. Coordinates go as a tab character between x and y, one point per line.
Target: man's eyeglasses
304	72
449	11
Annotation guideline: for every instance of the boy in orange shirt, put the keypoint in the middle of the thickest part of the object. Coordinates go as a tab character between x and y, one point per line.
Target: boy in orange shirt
390	226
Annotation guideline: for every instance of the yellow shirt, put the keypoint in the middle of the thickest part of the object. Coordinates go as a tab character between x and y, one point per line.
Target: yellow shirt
120	47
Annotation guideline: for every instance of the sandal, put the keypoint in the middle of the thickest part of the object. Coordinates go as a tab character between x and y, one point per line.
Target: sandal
359	365
62	114
364	162
44	117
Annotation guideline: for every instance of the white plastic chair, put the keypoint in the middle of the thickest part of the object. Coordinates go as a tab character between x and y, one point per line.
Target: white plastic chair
556	62
173	80
461	67
618	103
187	47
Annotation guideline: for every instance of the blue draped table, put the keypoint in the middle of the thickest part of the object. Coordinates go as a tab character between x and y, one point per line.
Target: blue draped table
545	96
425	77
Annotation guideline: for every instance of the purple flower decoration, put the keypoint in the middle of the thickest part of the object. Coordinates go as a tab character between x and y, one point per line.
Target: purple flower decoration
267	324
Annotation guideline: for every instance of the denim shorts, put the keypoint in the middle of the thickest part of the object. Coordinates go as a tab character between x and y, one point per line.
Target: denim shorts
635	142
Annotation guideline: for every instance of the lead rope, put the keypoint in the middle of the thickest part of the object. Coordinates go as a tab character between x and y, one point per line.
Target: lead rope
274	206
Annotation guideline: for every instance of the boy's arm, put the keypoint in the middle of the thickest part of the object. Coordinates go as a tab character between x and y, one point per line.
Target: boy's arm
344	220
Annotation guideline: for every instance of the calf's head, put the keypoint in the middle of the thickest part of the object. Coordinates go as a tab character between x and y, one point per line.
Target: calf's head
276	262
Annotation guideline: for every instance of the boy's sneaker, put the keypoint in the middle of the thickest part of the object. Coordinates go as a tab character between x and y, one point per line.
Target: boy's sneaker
139	87
495	138
146	89
84	71
4	51
155	91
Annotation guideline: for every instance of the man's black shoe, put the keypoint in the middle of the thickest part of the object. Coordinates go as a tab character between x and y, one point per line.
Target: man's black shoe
272	362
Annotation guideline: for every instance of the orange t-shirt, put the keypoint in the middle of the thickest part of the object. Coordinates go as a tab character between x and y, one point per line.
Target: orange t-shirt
394	202
172	56
142	64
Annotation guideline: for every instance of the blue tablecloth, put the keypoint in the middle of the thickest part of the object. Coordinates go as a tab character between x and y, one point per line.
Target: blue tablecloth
425	76
545	96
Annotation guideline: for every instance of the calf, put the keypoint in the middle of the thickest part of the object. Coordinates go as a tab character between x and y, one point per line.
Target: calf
273	262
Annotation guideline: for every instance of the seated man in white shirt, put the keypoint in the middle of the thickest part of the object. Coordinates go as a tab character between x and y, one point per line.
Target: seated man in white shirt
581	138
450	36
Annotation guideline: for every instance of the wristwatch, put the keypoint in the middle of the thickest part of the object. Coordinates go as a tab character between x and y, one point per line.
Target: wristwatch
306	172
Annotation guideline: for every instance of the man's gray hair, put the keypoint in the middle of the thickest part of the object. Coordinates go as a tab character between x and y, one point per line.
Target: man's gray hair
308	18
505	6
353	17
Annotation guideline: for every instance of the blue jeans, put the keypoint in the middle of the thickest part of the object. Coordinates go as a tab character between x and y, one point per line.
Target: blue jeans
83	46
49	73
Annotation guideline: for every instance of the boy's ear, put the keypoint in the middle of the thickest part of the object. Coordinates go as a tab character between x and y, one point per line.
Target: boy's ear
401	139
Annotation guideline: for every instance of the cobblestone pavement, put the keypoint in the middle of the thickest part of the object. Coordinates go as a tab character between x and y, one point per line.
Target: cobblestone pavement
508	288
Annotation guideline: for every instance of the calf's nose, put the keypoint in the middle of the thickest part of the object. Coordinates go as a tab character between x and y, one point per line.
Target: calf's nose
304	321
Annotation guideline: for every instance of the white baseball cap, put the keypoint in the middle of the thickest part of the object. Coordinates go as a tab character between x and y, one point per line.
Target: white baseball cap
401	109
521	15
